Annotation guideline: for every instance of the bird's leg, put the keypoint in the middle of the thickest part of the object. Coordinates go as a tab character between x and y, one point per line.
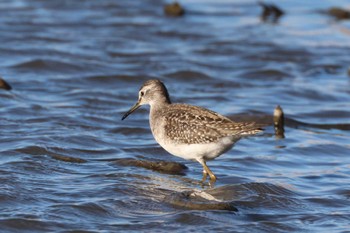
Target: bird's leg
207	171
211	174
205	174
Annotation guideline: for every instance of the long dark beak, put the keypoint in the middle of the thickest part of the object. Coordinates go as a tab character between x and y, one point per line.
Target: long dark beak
132	109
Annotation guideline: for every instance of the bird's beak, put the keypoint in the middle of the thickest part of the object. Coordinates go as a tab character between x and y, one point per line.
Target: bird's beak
132	109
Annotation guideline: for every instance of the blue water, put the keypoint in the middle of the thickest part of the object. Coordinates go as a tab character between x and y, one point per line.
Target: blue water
76	67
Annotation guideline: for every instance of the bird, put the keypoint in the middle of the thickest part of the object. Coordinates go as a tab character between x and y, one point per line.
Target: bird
188	131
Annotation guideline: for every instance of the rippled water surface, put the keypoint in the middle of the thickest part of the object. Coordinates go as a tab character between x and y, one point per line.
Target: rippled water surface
68	163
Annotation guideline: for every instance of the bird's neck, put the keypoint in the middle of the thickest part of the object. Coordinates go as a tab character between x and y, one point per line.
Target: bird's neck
158	106
155	114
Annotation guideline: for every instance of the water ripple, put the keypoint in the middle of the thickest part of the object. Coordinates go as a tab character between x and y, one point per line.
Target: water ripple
69	164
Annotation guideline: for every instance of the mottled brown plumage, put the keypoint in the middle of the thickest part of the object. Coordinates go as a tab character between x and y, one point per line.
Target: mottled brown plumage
195	125
187	131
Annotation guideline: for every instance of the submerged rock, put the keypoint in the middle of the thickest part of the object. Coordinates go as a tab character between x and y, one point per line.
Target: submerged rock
338	13
233	197
68	159
264	120
159	166
4	85
174	9
198	200
270	12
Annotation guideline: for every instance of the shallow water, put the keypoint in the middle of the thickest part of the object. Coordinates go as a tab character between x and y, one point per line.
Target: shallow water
75	68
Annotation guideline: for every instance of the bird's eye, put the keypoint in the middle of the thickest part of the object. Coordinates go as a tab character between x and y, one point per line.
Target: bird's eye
142	93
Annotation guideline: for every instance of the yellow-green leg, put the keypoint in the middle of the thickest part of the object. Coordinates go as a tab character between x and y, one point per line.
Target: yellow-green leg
206	172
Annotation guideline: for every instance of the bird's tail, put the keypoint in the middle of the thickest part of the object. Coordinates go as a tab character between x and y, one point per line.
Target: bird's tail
251	129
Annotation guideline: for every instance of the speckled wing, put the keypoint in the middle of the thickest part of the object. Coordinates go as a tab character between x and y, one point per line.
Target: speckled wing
195	125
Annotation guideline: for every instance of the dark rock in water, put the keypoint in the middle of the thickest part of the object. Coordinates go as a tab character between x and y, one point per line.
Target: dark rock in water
68	159
264	120
159	166
270	12
174	9
4	85
339	13
233	197
261	119
278	121
198	200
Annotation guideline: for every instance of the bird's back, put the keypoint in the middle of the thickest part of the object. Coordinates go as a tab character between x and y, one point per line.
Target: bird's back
188	124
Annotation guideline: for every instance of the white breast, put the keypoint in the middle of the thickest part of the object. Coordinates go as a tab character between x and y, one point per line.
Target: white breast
207	151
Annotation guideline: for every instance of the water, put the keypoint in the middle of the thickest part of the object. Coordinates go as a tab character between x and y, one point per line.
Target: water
75	68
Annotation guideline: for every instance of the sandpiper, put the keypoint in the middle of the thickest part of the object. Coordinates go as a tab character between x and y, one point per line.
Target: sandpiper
188	131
